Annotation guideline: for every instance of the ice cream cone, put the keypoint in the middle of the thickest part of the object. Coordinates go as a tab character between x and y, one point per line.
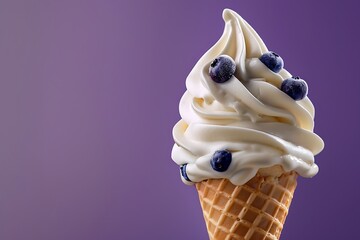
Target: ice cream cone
245	135
255	210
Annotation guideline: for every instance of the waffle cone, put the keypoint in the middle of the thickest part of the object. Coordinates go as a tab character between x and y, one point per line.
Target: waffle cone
255	210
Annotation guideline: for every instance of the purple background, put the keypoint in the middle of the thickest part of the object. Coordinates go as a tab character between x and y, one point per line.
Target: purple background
89	93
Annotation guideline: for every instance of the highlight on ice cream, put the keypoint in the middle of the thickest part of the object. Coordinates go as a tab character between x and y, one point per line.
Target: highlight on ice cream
245	134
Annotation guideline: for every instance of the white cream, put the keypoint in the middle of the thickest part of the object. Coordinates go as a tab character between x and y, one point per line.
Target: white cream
248	115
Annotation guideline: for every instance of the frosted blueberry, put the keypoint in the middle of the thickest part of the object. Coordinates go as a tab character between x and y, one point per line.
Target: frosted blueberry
221	160
273	61
295	87
222	69
183	172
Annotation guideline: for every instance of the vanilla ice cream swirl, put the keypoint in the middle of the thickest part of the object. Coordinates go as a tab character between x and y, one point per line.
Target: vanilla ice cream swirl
248	115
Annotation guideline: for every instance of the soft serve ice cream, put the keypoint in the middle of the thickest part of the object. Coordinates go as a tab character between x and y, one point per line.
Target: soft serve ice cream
245	117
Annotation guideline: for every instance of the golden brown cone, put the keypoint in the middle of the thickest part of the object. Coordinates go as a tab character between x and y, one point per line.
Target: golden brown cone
256	210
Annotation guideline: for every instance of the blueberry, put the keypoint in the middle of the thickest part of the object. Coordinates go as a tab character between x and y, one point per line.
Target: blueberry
183	172
273	61
221	160
222	69
295	87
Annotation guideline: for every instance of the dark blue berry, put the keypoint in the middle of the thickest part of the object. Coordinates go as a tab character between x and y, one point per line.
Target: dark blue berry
222	69
295	87
273	61
221	160
183	172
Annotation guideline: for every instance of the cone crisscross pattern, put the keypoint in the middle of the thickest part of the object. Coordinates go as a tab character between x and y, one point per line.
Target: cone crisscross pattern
256	210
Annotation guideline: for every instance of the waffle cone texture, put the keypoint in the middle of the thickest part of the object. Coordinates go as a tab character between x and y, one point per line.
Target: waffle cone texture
254	211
